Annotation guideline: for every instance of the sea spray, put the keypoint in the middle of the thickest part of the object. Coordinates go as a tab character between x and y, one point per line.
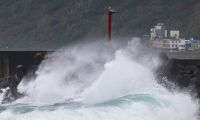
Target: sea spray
66	73
121	76
80	84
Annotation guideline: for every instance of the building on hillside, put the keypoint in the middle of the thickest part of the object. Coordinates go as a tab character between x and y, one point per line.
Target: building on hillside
170	45
195	46
157	34
182	43
192	45
174	45
174	34
158	31
135	41
157	43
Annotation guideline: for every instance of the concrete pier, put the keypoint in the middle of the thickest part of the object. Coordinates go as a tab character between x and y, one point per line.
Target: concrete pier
10	59
4	65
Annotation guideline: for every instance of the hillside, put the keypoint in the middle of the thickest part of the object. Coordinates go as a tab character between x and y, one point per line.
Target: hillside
54	23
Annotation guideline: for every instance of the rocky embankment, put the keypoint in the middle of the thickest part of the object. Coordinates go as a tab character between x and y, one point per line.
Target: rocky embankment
11	82
183	72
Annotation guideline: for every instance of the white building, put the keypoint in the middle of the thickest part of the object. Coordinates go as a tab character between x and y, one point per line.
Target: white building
182	43
174	33
135	41
174	45
170	45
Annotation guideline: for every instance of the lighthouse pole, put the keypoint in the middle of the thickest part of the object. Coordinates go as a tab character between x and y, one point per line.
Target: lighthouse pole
110	12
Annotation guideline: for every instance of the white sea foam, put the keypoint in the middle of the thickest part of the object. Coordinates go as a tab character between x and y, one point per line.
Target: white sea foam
121	76
177	107
99	84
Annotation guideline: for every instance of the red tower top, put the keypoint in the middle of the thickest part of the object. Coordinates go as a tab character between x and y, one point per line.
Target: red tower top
110	12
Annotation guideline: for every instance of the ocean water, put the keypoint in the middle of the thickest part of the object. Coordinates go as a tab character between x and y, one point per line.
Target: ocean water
80	84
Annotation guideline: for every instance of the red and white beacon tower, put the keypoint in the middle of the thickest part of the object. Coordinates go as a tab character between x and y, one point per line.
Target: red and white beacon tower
110	12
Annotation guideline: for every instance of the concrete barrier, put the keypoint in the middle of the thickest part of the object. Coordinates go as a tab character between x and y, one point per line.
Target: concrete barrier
183	72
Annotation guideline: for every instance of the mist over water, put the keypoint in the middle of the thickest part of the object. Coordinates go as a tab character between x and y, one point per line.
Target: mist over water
98	82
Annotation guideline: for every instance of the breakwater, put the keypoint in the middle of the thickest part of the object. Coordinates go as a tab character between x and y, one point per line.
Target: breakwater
80	84
185	73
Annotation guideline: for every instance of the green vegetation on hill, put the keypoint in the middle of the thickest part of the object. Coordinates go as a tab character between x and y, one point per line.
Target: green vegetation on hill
54	23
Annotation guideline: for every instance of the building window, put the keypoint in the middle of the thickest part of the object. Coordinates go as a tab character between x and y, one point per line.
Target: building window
179	41
172	41
172	45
